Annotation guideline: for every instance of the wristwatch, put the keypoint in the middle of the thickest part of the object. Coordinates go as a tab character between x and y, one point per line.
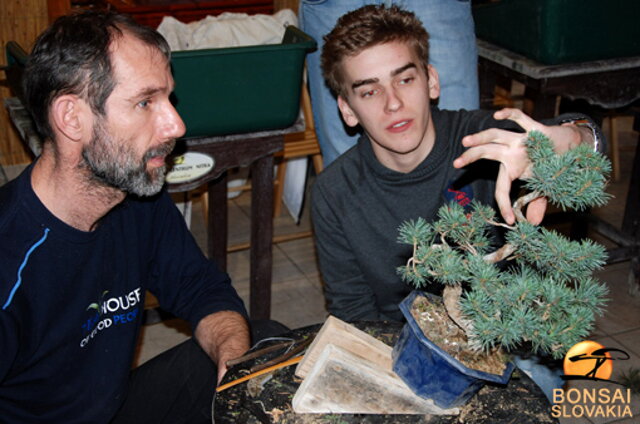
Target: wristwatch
583	122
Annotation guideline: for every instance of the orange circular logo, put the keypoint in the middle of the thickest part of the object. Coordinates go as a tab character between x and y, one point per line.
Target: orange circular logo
590	359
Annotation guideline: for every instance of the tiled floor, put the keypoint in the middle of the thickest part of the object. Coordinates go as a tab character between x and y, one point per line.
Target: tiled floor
297	289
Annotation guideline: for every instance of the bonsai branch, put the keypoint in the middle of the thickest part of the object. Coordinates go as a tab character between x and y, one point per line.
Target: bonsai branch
506	250
523	201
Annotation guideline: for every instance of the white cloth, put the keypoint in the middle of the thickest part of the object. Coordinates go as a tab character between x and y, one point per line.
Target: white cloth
227	30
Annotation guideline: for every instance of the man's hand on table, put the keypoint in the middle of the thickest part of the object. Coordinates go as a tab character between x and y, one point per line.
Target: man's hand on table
223	335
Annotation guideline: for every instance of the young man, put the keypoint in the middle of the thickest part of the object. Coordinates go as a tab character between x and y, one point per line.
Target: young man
85	233
452	51
412	158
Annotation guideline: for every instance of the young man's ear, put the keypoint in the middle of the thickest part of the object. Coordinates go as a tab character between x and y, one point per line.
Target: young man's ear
434	82
347	113
70	117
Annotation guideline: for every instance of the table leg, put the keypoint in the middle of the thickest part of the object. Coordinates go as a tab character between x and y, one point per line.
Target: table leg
631	220
544	105
217	225
261	237
487	82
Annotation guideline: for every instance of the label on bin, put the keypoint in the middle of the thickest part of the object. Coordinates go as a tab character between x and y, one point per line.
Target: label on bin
189	167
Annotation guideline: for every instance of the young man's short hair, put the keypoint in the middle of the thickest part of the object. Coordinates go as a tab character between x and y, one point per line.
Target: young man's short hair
366	27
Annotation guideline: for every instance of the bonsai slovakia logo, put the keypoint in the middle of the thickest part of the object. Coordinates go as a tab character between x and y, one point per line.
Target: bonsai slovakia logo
591	361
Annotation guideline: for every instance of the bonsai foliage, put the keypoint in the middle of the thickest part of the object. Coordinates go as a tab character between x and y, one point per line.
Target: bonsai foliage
536	288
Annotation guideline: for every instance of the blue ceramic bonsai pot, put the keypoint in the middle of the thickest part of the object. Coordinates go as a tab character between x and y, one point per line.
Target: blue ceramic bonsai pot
431	372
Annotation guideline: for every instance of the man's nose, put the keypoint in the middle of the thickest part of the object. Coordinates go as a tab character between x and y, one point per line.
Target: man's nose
393	101
173	125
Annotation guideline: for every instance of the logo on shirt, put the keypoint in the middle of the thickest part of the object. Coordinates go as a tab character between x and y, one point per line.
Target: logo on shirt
111	311
463	196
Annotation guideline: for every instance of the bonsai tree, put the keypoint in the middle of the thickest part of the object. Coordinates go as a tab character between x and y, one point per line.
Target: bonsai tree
536	288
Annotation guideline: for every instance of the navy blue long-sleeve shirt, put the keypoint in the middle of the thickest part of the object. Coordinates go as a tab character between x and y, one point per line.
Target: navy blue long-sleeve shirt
71	301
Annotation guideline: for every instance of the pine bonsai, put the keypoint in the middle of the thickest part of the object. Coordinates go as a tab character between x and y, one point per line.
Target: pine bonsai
537	288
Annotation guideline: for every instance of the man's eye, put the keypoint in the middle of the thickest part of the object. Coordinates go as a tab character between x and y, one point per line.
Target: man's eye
144	103
368	93
405	81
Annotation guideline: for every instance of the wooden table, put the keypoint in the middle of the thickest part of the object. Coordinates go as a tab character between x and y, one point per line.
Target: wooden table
268	400
604	84
610	84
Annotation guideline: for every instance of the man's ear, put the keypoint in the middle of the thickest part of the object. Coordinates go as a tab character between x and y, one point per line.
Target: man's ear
434	82
347	113
69	116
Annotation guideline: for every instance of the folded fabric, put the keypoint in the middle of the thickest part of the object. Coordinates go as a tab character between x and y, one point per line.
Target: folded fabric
227	30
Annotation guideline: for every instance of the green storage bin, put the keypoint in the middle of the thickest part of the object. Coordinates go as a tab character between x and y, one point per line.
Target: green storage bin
16	60
562	31
240	89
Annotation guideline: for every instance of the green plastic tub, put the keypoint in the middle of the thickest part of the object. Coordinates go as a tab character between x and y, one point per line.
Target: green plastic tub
16	60
240	89
562	31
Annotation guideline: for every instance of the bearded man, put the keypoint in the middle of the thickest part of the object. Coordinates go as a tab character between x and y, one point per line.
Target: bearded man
86	230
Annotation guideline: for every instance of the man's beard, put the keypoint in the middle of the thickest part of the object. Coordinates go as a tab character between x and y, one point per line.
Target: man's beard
113	162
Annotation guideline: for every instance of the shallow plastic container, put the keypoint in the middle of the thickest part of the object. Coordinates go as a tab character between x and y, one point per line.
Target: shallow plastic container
240	89
561	31
432	373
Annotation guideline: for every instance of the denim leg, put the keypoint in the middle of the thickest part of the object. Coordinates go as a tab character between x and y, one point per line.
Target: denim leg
453	53
452	49
548	376
317	18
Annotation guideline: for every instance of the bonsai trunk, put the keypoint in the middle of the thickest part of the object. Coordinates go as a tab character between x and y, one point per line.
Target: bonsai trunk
451	299
452	293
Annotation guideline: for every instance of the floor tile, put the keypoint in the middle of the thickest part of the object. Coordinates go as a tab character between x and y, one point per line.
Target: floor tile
630	340
298	303
572	420
623	310
239	225
160	337
238	268
629	420
302	253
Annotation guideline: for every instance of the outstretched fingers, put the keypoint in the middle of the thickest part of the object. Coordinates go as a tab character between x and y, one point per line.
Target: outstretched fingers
519	117
508	148
503	188
473	155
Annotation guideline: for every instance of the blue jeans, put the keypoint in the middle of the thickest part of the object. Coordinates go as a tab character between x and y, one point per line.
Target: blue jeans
452	52
547	376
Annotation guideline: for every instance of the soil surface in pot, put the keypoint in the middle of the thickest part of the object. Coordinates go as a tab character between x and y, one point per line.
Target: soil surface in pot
433	320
